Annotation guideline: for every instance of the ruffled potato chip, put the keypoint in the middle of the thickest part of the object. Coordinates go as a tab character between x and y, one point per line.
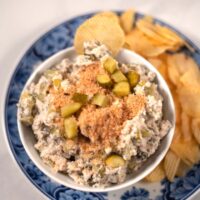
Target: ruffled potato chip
182	169
178	109
102	29
185	126
149	29
126	20
189	99
188	150
139	43
171	164
196	129
157	174
173	36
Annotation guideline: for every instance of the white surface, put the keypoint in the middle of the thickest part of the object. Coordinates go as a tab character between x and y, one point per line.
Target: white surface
23	21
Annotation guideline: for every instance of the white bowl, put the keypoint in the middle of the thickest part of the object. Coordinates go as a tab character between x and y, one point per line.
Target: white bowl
28	139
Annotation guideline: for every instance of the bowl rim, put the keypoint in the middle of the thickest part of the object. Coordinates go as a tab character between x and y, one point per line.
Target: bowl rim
117	186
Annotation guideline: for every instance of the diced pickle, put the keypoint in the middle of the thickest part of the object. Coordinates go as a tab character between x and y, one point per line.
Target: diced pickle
27	119
100	100
118	76
79	97
115	161
104	80
131	165
110	65
56	83
50	73
142	83
145	133
133	78
70	109
138	135
149	90
24	95
71	128
121	89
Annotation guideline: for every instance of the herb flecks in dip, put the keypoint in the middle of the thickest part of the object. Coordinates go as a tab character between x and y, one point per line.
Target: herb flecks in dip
95	119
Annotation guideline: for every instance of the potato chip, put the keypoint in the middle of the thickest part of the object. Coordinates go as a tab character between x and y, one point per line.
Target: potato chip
173	36
109	14
171	164
156	62
157	174
182	169
169	34
177	107
139	43
173	71
102	29
189	99
185	126
149	29
191	78
160	66
126	20
195	125
188	150
177	135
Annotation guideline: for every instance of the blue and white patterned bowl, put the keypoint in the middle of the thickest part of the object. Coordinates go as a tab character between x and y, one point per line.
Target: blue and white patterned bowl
53	41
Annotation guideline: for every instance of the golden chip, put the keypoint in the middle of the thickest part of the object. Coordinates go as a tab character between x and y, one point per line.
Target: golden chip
173	72
173	36
191	78
177	107
185	126
102	29
196	129
157	174
171	164
188	150
149	29
182	169
126	20
189	99
139	43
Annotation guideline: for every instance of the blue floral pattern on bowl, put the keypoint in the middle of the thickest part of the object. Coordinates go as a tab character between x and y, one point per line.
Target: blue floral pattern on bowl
53	41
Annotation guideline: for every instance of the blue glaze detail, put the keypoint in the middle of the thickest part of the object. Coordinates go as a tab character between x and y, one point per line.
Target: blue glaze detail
135	194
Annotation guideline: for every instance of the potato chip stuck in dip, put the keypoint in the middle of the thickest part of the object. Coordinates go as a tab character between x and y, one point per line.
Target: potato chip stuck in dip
95	119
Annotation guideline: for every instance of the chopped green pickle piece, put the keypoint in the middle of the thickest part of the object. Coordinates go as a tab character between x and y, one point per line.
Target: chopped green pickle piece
118	76
56	83
145	133
133	78
100	100
70	109
115	161
149	90
121	89
110	65
104	80
71	128
142	83
50	73
79	97
27	119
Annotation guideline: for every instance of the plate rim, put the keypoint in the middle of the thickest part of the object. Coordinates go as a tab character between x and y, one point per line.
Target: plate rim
21	56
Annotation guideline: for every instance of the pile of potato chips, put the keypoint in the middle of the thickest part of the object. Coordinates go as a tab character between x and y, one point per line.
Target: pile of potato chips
160	46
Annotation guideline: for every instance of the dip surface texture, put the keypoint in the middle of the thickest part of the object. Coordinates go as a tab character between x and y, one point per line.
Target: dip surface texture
95	119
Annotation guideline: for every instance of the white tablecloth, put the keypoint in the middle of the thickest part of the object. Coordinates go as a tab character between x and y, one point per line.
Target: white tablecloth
23	21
